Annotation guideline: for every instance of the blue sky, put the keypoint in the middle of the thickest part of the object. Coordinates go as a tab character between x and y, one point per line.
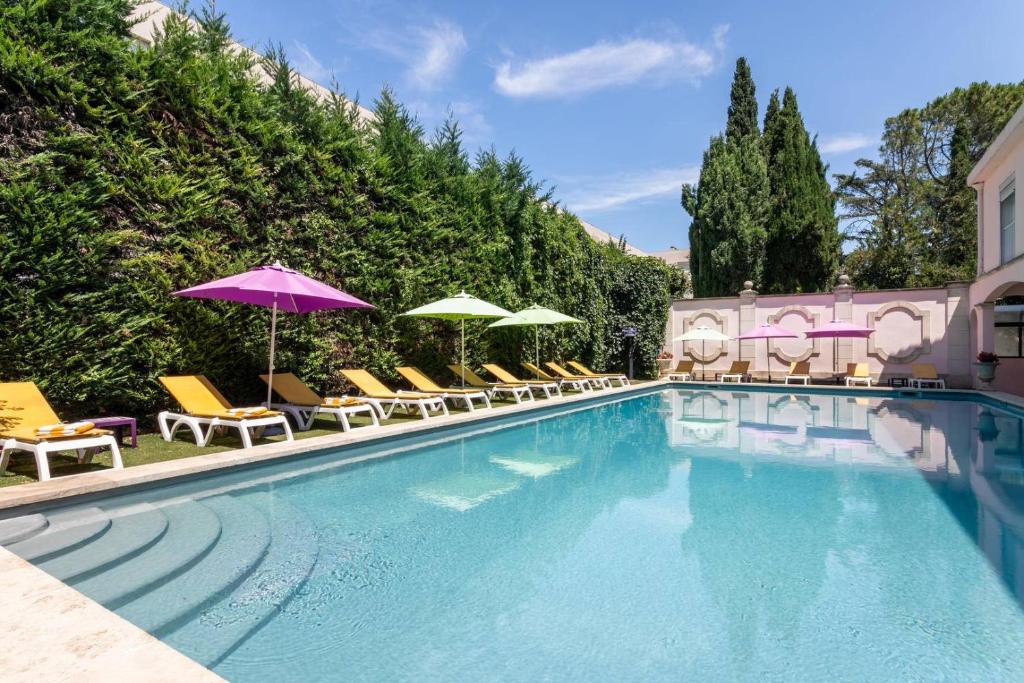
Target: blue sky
613	103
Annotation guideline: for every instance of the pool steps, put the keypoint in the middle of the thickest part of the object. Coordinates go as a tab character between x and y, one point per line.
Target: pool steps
203	575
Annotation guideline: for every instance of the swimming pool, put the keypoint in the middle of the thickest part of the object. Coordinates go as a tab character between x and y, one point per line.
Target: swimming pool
681	533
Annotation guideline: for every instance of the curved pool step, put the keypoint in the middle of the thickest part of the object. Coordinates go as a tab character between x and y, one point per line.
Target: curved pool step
243	542
192	531
132	531
222	627
66	530
20	528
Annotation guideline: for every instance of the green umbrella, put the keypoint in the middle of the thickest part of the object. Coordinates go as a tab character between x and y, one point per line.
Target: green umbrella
535	316
461	307
702	333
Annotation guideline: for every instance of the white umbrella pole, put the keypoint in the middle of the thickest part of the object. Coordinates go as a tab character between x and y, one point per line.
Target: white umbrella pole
273	336
463	373
536	344
768	357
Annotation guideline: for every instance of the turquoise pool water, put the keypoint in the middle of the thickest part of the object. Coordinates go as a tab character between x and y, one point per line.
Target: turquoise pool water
680	534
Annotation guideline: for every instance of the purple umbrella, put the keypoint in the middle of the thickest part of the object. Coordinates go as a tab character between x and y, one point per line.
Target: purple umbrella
275	287
767	332
837	329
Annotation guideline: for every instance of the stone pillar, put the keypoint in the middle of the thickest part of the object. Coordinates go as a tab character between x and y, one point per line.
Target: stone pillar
842	309
958	335
985	335
748	319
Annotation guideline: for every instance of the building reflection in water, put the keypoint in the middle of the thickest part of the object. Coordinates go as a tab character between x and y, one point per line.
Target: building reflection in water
972	455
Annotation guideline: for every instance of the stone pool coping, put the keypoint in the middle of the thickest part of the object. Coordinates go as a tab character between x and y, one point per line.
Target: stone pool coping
53	632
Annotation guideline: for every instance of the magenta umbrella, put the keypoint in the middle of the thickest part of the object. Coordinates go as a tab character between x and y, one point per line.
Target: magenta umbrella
767	332
837	329
275	287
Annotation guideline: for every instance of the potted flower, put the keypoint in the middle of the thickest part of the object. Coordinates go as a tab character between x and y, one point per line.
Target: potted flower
986	365
664	362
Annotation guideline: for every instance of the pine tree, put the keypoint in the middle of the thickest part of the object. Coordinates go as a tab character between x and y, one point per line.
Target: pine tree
730	201
802	231
742	119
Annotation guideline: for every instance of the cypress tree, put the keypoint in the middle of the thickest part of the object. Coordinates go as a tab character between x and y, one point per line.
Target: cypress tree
730	201
955	239
742	119
802	230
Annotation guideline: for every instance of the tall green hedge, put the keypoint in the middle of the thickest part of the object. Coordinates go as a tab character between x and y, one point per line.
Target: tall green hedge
129	172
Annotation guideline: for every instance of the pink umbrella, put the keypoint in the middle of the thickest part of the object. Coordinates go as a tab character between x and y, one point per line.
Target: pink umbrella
837	329
767	332
275	287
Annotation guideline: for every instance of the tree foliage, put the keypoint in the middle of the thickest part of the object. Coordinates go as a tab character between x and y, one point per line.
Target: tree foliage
127	173
911	213
803	241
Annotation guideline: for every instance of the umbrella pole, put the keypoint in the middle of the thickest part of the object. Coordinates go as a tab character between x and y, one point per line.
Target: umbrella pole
703	362
768	357
536	344
463	373
273	335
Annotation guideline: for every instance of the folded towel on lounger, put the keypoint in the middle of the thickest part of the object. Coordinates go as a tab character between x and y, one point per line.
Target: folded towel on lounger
341	401
70	429
247	412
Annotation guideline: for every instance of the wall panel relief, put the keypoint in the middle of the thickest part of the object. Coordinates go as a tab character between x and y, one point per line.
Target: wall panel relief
714	350
776	347
902	332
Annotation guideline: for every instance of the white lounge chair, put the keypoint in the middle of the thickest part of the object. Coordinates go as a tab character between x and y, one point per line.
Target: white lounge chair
737	371
421	382
508	379
622	379
28	423
304	404
925	376
517	390
203	406
799	371
580	384
385	400
858	373
683	371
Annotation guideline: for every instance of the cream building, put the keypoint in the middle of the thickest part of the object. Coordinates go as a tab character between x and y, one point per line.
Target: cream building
997	320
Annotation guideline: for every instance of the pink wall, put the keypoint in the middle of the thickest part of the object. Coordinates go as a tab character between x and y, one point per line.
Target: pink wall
912	326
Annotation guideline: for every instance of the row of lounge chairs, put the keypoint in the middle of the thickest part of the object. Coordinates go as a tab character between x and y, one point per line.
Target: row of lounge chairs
923	375
28	423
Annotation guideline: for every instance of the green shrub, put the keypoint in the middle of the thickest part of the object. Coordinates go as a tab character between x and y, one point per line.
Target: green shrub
129	172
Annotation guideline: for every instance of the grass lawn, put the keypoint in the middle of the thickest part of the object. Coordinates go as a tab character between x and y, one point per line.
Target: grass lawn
152	448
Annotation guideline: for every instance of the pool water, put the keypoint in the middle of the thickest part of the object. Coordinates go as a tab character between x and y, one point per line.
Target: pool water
679	534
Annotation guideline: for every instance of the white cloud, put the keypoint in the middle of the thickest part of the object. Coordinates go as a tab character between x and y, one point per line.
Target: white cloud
607	64
438	52
840	144
430	53
609	192
308	65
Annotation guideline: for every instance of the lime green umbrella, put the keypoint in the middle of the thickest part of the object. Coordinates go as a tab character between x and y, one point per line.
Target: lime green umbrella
461	307
535	316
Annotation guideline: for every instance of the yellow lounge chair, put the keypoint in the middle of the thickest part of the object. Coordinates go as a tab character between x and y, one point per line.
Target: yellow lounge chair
385	400
924	375
507	377
683	371
516	391
595	382
24	410
622	379
304	404
858	373
421	382
799	371
202	405
578	385
737	371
